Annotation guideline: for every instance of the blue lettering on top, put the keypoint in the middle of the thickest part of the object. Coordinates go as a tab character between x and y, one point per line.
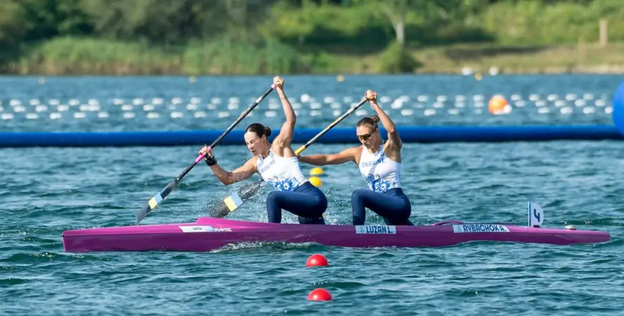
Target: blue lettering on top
267	167
374	162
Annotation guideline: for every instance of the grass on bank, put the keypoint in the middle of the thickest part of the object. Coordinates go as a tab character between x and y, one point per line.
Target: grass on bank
582	58
85	56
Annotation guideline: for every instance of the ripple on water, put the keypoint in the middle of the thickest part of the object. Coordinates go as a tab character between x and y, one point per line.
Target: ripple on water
56	189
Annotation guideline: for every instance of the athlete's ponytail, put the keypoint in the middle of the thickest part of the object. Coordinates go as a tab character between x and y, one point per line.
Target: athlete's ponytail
259	130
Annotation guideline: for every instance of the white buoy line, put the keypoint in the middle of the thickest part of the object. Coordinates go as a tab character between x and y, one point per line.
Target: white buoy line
305	104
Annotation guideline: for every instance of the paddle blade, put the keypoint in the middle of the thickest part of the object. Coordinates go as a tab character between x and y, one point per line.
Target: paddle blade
155	201
234	201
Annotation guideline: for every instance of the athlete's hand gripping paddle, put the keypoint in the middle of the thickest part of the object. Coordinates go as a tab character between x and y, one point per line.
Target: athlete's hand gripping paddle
162	195
244	193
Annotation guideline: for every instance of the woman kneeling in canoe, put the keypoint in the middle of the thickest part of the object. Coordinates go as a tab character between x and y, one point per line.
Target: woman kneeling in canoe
278	165
379	164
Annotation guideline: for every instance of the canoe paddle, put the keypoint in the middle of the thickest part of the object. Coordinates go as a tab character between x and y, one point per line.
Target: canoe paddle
162	195
244	193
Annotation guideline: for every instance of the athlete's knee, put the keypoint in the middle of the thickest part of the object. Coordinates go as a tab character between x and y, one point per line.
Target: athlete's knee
315	204
320	199
272	197
274	211
323	203
358	194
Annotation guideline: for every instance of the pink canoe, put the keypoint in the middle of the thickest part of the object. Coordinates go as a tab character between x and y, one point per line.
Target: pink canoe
207	234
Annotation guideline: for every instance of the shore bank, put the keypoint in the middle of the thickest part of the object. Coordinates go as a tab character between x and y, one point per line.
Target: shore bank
94	57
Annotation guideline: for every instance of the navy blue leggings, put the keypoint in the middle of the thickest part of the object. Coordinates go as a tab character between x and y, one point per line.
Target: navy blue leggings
306	201
393	205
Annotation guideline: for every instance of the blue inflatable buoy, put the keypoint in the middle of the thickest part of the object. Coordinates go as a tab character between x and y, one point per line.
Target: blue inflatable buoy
618	108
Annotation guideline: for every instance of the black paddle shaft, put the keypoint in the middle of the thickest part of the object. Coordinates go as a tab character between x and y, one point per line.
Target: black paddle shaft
228	130
171	186
242	116
238	120
330	126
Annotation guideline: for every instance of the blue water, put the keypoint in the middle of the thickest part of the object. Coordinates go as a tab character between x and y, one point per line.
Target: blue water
48	190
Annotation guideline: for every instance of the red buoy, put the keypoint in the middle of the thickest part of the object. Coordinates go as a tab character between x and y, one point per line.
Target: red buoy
319	295
317	260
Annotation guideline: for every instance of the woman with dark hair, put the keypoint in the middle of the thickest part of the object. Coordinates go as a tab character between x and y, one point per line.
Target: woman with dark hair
278	165
379	164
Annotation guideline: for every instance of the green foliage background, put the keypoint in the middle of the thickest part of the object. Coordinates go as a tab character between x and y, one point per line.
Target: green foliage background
196	37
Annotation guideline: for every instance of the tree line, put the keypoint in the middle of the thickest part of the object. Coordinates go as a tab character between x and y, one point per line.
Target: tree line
321	27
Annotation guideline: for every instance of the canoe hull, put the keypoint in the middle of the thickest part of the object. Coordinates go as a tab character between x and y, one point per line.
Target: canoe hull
208	234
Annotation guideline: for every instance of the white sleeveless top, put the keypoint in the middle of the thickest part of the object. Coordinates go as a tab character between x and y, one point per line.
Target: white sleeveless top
380	172
284	174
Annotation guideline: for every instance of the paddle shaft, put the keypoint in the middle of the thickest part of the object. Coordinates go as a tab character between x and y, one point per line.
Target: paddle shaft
248	190
162	195
330	126
238	120
227	131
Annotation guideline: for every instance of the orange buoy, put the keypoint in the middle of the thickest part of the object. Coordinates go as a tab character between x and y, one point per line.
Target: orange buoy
498	105
317	260
319	295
